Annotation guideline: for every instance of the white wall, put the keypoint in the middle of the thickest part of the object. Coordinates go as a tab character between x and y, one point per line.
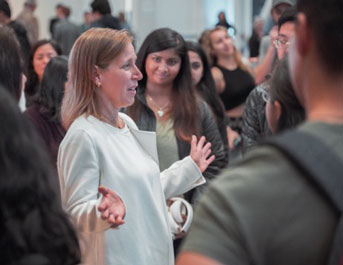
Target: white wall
186	17
46	10
189	17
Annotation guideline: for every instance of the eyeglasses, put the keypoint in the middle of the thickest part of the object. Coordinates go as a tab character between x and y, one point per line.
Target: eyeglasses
281	43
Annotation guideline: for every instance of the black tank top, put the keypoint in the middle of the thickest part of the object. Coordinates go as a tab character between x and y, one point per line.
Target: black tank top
238	84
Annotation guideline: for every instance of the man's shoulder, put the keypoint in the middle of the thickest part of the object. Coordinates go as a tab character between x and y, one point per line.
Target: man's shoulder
267	164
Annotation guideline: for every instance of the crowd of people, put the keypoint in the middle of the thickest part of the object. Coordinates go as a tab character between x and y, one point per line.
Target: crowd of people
98	141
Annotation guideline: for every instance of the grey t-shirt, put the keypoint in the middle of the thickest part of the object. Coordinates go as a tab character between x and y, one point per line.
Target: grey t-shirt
262	211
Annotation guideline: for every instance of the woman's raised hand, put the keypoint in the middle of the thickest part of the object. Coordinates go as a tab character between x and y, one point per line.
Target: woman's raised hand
111	207
200	153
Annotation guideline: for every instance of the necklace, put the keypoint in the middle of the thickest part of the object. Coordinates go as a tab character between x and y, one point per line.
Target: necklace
160	110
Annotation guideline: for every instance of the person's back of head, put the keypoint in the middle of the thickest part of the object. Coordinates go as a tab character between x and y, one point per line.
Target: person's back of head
53	83
34	228
11	68
66	11
289	15
283	103
101	6
325	20
279	6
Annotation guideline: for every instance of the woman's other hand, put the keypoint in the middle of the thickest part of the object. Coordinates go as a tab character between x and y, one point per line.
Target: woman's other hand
111	207
200	153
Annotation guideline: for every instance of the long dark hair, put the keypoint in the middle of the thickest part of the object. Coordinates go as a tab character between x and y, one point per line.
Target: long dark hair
11	67
33	226
184	110
52	88
32	83
281	89
206	85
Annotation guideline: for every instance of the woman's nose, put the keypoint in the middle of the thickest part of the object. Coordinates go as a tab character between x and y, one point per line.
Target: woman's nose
137	74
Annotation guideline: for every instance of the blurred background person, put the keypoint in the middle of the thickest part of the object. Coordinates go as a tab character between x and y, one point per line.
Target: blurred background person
101	15
65	32
203	85
124	24
54	20
255	39
267	53
29	21
45	114
19	30
40	55
233	78
87	20
222	21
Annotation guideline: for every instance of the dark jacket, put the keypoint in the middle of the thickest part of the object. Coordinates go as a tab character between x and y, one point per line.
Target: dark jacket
255	124
49	130
107	21
208	128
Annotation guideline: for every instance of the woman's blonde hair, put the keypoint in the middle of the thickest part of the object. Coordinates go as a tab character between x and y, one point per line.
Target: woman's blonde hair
97	47
206	42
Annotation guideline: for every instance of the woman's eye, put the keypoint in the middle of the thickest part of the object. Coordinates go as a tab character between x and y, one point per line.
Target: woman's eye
156	59
126	66
172	62
195	66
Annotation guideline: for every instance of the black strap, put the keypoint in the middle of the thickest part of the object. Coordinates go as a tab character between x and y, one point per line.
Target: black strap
323	168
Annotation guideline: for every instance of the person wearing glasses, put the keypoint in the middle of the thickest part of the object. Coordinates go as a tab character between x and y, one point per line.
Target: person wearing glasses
255	125
267	52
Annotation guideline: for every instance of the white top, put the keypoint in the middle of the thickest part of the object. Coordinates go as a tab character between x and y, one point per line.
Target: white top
95	153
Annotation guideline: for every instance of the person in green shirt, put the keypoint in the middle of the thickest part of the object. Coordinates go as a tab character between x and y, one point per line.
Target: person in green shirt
262	210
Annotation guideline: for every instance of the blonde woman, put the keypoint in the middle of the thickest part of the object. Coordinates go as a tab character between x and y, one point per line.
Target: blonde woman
234	79
105	161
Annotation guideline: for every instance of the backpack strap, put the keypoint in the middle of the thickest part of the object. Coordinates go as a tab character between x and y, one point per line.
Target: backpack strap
323	168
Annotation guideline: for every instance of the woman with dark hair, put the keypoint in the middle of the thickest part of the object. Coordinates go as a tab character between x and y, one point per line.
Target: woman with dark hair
45	113
11	70
167	104
203	85
283	110
40	55
34	229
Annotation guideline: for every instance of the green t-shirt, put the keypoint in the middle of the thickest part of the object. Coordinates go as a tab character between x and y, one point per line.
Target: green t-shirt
166	144
262	211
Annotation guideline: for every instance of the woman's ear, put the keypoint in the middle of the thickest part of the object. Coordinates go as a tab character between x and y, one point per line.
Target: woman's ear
277	110
97	76
273	114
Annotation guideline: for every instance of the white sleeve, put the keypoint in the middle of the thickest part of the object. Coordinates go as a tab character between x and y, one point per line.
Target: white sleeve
181	177
79	176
